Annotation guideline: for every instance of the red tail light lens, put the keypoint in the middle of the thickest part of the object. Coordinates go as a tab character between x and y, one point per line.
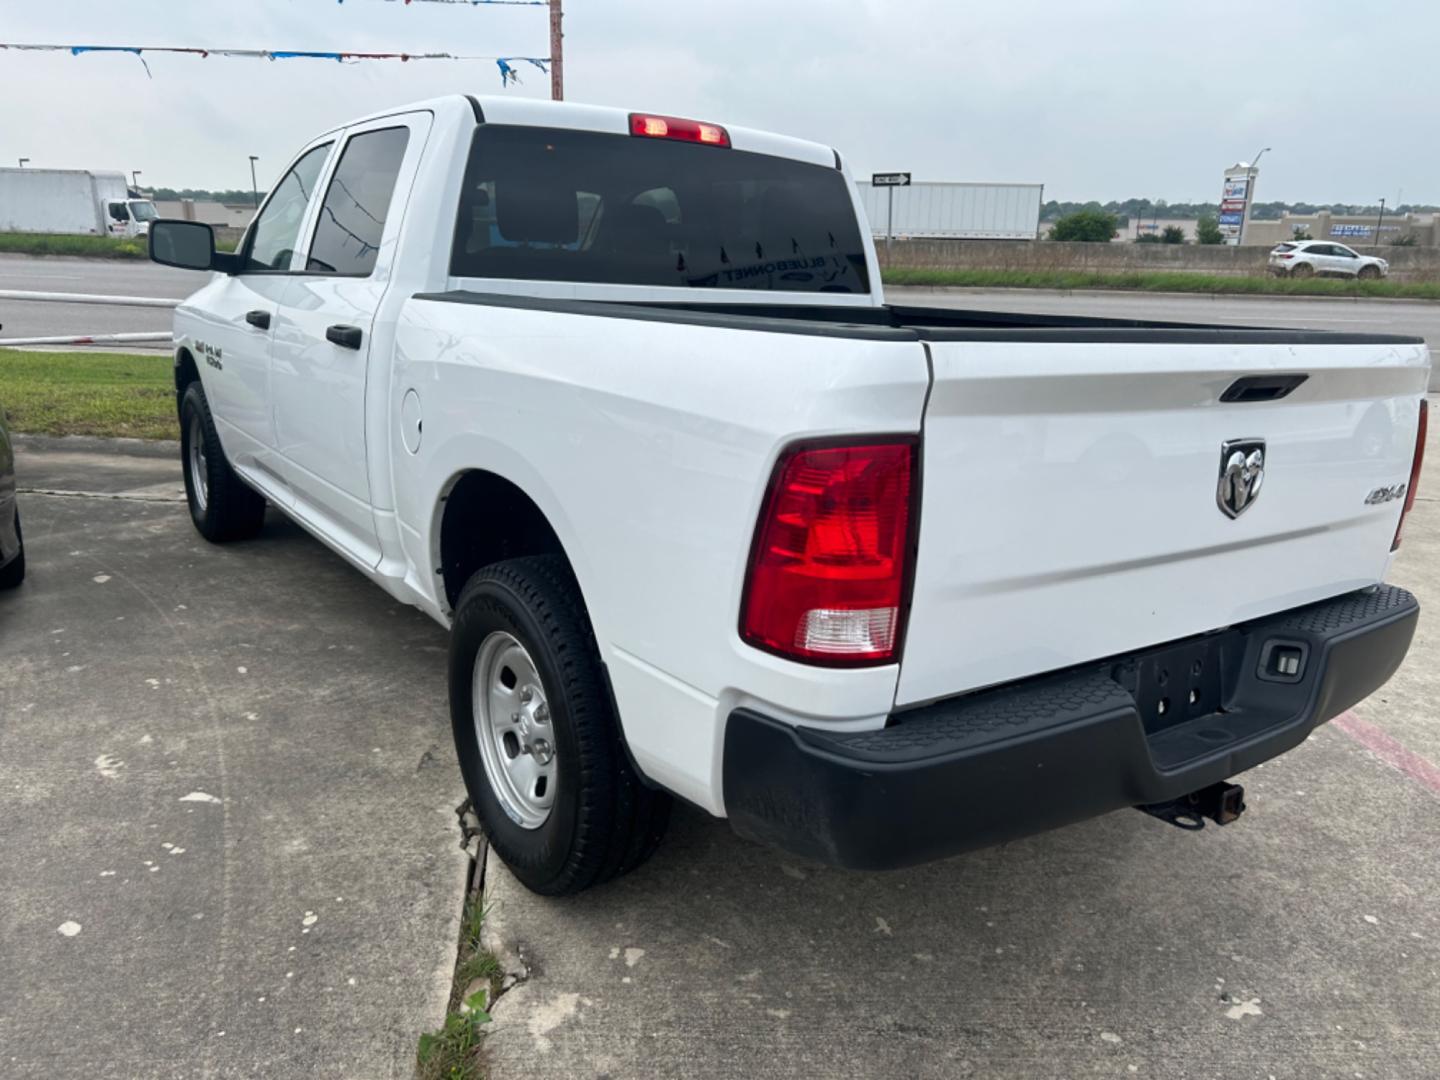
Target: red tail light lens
673	127
832	563
1414	470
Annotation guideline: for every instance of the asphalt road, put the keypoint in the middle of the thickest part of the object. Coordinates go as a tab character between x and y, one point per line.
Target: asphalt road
228	845
1418	318
124	277
109	277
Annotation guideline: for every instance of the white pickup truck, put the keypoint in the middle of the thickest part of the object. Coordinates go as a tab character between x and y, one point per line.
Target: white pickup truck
617	398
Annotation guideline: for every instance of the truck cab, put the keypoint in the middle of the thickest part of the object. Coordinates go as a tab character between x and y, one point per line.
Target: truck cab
130	216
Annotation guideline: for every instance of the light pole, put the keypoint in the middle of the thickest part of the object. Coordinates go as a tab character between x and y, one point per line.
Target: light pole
135	179
24	161
254	188
1249	194
1380	221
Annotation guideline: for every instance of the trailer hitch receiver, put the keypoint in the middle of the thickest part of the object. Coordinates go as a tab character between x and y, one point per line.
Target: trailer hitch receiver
1222	803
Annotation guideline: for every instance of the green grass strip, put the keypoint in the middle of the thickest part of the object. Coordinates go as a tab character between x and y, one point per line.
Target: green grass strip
89	393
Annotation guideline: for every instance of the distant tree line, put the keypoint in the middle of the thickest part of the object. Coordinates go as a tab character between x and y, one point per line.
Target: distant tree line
1094	225
234	195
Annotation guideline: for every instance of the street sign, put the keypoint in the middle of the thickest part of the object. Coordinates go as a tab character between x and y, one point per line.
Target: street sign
891	179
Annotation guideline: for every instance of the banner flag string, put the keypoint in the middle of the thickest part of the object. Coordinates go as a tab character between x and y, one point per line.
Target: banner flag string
506	64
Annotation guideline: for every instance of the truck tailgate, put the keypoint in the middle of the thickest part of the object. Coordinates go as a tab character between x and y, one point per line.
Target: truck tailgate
1071	506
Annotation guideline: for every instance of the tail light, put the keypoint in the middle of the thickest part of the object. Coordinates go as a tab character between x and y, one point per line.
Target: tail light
831	567
673	127
1414	469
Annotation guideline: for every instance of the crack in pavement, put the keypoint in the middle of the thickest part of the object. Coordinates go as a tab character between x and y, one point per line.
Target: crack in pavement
122	496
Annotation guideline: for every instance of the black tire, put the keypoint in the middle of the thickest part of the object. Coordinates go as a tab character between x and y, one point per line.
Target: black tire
604	821
226	508
1302	270
13	572
1368	273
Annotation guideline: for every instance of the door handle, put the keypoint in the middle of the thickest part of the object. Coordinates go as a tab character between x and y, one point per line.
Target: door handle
258	319
347	337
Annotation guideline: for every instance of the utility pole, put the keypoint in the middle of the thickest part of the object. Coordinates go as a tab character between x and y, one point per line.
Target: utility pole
135	179
1380	221
254	187
557	53
24	161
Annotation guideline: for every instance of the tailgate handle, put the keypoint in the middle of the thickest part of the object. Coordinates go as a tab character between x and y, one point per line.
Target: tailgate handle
1262	387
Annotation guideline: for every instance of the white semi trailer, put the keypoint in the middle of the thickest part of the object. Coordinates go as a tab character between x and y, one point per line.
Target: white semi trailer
71	201
954	211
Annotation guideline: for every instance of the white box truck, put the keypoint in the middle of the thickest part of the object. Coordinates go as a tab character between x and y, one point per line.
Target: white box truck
944	210
71	201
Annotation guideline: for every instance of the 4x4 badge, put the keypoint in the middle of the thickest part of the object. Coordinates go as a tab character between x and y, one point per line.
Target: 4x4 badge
1242	471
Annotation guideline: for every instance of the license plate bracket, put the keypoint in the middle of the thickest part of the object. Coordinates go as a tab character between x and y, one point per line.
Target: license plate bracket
1177	684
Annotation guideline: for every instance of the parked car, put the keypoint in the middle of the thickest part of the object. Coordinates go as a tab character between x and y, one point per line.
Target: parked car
12	545
617	398
1308	258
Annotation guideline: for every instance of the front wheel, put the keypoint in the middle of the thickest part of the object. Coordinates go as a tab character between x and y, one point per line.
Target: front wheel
13	572
222	506
536	734
1369	273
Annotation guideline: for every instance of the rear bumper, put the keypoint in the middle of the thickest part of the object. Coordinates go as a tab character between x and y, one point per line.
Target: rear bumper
976	770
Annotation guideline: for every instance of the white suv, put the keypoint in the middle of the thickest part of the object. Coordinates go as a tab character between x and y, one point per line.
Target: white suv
1306	258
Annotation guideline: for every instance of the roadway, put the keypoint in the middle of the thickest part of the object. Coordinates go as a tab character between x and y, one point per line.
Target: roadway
1418	317
108	277
129	278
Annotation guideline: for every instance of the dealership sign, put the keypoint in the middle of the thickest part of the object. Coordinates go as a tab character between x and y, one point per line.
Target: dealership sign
1235	202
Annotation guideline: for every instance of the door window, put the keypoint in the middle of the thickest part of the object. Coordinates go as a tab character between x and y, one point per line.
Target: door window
352	218
118	212
277	229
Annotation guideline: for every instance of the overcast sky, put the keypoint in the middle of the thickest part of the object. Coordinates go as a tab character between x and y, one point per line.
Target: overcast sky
1094	98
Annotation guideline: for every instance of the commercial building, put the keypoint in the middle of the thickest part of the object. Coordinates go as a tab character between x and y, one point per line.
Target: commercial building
1352	229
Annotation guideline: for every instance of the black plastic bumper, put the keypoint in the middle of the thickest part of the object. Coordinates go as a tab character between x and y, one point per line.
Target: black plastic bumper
976	770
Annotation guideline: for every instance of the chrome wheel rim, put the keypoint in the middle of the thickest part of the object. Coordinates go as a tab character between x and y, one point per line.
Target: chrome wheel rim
512	726
199	471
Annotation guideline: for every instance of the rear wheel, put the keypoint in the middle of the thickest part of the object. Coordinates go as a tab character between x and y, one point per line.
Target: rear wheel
13	572
1302	270
1369	273
222	506
537	736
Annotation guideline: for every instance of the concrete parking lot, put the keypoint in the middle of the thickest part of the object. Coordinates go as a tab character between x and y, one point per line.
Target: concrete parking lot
228	845
229	850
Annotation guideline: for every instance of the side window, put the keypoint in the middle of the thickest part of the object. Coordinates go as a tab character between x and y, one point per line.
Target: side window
277	229
118	212
352	218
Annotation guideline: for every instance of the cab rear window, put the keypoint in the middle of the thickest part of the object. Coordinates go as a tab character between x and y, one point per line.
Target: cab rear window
543	204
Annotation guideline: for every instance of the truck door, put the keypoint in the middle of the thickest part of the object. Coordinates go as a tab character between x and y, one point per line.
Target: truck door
117	218
326	326
234	352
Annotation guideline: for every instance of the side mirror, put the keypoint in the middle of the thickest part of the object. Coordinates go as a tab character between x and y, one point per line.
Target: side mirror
189	245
